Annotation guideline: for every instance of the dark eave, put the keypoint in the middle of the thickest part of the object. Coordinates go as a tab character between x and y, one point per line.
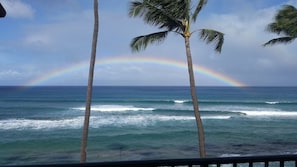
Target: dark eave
2	11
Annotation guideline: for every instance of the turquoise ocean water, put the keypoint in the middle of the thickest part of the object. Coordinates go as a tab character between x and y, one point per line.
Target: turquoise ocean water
41	125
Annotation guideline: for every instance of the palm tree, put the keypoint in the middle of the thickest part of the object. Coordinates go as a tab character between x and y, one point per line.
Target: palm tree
83	155
175	16
285	23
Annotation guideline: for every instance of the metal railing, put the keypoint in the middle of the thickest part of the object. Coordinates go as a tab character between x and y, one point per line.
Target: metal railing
250	161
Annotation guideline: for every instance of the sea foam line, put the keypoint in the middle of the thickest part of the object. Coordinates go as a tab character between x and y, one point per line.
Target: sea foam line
270	113
272	102
21	124
115	108
180	101
137	120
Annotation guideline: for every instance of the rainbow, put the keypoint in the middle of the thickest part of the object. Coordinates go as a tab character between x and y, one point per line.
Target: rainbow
135	59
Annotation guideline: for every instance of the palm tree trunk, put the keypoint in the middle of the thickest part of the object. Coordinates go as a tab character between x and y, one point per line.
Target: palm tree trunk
83	153
195	100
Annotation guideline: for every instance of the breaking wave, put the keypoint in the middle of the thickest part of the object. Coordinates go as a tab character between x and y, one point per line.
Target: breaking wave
115	108
96	121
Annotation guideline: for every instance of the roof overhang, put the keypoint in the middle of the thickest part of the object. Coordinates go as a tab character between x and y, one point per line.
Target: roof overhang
2	11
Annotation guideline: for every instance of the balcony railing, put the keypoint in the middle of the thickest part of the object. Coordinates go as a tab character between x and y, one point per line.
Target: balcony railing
249	161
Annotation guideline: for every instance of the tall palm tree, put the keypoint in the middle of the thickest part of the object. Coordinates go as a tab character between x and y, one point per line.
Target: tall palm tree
285	23
83	152
175	16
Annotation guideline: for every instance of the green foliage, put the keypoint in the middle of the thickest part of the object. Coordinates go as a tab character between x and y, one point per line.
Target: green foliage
141	42
209	36
161	13
198	9
285	23
171	16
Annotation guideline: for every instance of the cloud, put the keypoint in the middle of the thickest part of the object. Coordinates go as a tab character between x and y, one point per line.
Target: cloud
17	9
63	38
292	2
243	56
10	73
61	35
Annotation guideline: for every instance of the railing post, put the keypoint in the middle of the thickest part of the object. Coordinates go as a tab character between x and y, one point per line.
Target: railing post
234	164
281	163
266	163
250	164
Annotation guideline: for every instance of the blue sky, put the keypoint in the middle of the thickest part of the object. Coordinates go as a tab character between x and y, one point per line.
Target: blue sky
43	41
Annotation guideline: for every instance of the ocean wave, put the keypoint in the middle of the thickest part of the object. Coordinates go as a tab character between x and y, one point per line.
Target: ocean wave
272	102
217	117
137	120
248	102
95	122
270	113
21	124
230	155
181	101
115	108
281	102
149	101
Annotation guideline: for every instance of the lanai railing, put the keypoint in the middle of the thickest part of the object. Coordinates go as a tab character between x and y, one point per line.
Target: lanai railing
248	161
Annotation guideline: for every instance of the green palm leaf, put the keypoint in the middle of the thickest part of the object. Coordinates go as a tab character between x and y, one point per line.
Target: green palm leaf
285	23
141	42
157	13
210	36
279	40
200	5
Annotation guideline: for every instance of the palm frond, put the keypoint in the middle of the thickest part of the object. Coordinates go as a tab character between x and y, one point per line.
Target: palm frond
287	11
200	5
141	42
285	22
274	28
161	13
210	36
279	40
137	8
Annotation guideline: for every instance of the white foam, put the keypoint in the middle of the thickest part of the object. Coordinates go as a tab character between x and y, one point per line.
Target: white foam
115	108
227	108
138	120
270	113
174	118
95	122
217	117
230	155
186	118
271	102
40	124
180	101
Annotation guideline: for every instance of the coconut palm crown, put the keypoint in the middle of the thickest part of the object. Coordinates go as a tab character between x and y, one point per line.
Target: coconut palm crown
285	24
171	16
175	16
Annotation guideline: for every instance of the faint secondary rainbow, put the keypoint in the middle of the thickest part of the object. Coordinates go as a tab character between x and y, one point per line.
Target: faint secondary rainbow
135	59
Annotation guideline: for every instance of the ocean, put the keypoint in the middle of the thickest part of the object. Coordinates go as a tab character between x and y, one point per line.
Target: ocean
43	125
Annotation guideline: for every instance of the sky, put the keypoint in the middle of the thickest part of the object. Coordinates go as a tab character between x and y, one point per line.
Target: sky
48	42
